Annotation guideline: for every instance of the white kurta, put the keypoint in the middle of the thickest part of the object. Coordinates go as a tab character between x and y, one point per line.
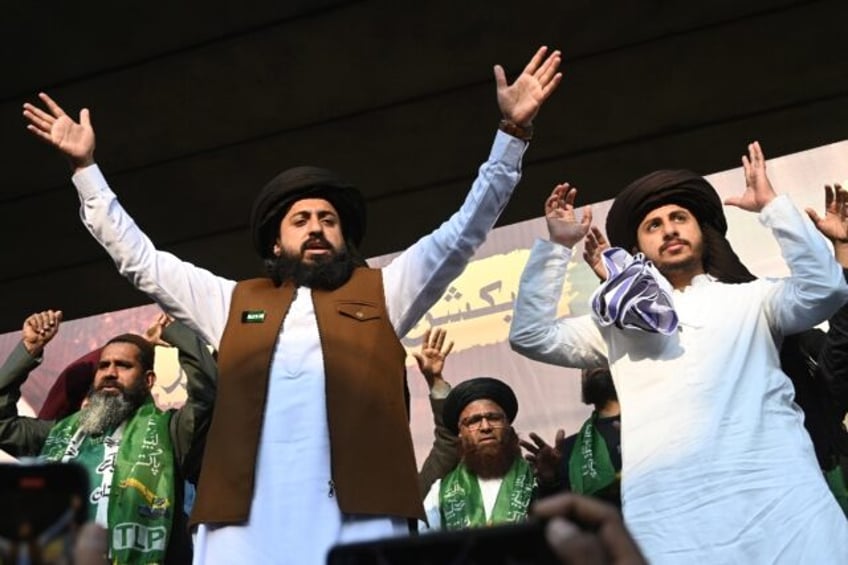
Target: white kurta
717	465
293	518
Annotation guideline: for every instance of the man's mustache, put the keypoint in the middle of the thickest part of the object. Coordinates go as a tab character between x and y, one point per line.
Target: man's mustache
111	383
315	242
676	241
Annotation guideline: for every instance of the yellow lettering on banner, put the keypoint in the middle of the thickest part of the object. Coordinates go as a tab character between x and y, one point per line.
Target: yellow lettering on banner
477	307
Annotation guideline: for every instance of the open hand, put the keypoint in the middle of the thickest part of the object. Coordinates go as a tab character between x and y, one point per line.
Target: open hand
758	189
593	248
544	458
73	139
431	358
520	101
834	225
563	226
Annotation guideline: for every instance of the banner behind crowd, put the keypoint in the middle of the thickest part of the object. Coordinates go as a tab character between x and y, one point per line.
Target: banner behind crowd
476	310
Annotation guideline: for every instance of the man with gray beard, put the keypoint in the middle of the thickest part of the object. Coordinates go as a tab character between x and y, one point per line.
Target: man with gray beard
105	411
136	455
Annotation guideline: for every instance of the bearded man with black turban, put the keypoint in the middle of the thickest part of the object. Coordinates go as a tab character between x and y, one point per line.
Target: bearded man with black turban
492	484
716	464
309	444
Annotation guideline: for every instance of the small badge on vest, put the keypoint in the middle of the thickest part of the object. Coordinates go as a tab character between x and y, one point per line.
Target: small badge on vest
253	316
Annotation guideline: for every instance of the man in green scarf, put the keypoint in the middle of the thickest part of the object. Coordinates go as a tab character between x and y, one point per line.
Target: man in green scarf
588	462
492	484
134	453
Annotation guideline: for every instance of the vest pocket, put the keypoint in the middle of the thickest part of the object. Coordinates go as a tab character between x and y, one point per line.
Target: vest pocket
360	311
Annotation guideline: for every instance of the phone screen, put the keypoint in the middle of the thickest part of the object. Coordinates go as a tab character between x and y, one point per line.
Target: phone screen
43	506
513	544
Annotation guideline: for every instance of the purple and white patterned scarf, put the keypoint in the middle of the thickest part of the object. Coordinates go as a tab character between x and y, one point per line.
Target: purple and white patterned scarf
634	296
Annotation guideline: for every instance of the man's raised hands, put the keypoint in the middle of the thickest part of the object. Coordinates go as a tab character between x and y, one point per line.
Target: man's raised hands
834	224
563	226
520	101
431	358
39	329
593	248
545	459
73	139
758	189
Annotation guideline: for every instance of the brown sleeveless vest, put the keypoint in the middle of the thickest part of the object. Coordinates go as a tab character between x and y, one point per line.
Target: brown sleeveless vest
373	463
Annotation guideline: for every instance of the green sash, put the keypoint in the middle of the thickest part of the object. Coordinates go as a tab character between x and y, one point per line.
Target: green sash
590	468
836	481
141	500
461	502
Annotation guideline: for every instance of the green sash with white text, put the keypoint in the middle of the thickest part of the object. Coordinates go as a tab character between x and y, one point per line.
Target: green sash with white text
141	500
461	501
590	468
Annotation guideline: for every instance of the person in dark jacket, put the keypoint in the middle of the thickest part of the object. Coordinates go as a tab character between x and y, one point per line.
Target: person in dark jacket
136	455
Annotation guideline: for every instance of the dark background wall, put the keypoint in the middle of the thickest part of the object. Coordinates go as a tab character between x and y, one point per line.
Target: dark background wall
197	105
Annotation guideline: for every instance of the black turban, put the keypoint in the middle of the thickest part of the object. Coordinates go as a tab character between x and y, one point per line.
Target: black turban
296	184
686	189
468	391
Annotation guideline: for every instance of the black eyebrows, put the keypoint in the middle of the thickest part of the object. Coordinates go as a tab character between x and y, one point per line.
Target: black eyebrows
319	213
119	362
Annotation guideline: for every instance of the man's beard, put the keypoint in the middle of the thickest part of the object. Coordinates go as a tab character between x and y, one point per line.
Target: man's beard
490	460
598	388
106	411
324	273
688	265
694	262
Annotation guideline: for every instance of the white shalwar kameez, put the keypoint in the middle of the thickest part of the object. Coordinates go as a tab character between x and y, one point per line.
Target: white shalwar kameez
293	517
717	465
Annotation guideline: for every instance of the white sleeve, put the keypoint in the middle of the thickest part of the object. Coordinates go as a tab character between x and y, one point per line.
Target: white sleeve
190	294
416	279
431	509
816	287
535	332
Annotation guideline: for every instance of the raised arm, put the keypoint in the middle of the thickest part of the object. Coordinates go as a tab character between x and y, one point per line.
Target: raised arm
816	287
758	191
74	140
834	224
189	293
535	331
520	101
190	423
419	276
833	357
594	246
21	436
443	454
